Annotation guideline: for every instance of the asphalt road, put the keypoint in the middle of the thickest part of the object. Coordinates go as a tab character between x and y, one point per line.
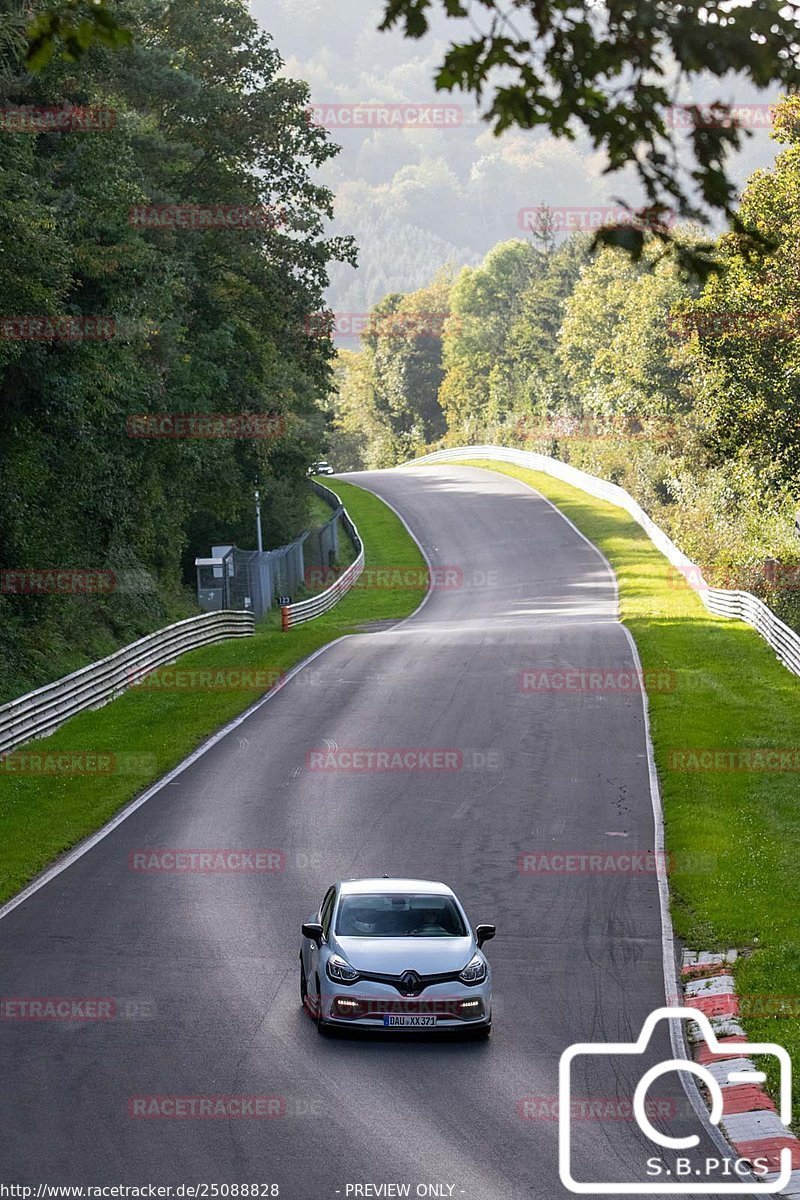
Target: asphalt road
203	967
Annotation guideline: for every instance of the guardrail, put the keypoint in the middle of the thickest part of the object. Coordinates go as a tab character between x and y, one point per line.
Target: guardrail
315	606
44	710
328	495
741	606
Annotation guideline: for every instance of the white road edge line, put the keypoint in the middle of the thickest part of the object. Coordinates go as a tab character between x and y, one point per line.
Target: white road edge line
677	1037
677	1034
413	537
72	856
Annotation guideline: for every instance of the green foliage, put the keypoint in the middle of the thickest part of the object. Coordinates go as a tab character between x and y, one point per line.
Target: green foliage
206	321
687	396
43	815
485	304
385	402
359	436
743	334
75	25
607	69
404	340
540	386
730	692
617	344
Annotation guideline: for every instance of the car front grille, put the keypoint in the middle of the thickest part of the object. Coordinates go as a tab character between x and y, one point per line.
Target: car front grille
410	987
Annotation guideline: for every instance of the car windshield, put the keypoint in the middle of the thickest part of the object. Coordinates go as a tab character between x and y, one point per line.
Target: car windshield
397	915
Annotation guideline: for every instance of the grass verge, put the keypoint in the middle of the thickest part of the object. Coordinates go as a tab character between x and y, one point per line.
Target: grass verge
733	835
144	733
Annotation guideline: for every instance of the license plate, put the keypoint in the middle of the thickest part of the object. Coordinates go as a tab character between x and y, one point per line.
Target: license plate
394	1022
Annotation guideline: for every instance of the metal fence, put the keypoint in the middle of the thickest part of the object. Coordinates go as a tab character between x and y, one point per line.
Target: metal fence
44	710
306	610
742	606
325	540
254	580
286	567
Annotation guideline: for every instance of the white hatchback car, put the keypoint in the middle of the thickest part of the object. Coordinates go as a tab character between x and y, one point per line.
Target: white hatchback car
395	954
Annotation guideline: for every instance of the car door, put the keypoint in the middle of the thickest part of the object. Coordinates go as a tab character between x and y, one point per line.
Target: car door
312	951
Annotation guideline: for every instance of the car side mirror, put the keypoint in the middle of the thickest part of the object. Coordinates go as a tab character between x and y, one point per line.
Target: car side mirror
484	933
313	930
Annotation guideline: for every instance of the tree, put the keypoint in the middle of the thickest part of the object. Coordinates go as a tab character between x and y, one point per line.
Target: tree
360	436
484	302
743	334
541	387
404	338
204	320
609	69
617	345
74	25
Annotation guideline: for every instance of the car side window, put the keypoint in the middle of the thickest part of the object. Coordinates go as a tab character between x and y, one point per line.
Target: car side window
326	912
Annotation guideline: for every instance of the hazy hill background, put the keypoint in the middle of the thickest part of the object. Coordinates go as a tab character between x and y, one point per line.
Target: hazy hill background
417	200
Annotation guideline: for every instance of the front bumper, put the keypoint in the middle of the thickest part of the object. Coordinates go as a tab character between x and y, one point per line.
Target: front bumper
365	1004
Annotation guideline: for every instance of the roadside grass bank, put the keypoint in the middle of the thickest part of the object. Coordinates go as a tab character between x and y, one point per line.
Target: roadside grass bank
137	738
733	835
36	649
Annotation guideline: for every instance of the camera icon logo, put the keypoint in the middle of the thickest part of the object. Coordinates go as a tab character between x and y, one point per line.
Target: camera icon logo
608	1049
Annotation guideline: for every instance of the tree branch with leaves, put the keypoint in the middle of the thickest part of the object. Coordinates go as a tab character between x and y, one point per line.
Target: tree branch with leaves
613	71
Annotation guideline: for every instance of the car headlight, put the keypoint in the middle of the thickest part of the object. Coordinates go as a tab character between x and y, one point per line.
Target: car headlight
340	971
474	971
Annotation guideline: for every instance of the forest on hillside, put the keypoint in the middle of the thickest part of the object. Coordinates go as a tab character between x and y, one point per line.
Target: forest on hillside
685	392
163	246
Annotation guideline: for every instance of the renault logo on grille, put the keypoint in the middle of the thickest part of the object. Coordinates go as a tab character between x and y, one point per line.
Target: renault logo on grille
411	982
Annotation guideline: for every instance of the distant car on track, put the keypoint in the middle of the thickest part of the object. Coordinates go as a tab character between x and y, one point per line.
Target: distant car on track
395	954
320	468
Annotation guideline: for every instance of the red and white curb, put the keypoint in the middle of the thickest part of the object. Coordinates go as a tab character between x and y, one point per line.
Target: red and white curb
749	1116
